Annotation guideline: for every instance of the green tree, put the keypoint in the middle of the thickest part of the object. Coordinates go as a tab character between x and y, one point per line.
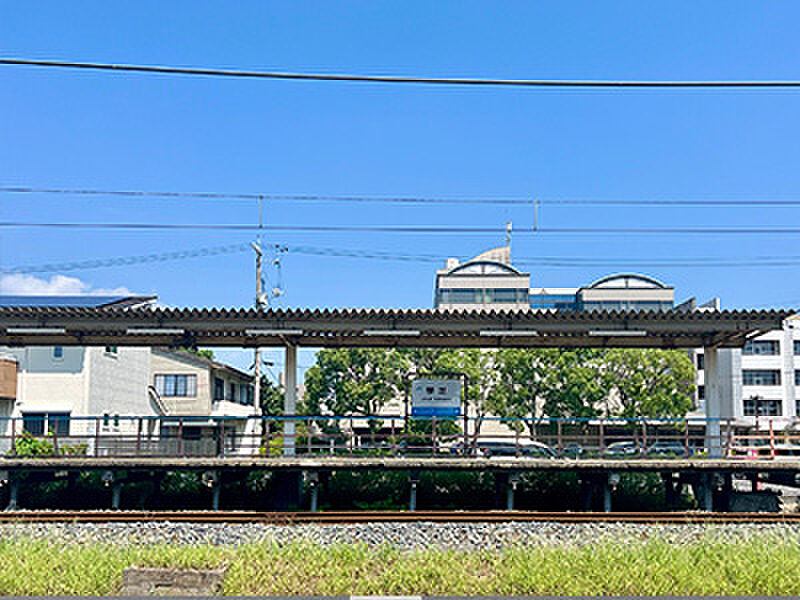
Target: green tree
649	383
271	401
479	365
549	382
353	381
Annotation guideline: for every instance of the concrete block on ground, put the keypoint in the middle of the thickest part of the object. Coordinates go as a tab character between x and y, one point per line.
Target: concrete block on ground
151	581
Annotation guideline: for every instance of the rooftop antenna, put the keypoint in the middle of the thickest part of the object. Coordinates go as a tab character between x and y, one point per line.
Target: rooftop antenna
508	235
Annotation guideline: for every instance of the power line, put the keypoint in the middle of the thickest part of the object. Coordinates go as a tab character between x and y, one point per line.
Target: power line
338	77
253	196
410	229
121	261
540	261
398	199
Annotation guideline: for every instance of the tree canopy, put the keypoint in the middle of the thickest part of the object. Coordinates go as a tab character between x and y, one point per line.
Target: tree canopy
529	384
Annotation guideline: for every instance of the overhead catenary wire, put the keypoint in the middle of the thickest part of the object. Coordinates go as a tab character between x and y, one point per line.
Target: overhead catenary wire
541	261
406	229
396	79
398	199
260	196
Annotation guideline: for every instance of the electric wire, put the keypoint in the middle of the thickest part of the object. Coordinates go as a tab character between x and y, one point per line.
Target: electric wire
542	261
400	199
406	229
255	196
395	79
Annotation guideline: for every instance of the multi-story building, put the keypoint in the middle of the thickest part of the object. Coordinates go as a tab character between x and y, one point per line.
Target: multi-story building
762	380
760	384
486	281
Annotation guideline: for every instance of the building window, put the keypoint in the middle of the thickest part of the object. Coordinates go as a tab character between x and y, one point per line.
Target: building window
56	423
797	377
58	352
701	362
246	395
701	392
184	386
762	348
483	296
761	377
231	392
219	389
766	408
797	348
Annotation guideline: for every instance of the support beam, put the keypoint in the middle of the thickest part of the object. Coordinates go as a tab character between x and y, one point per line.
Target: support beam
413	479
13	494
216	492
511	489
313	484
116	495
606	485
713	389
290	399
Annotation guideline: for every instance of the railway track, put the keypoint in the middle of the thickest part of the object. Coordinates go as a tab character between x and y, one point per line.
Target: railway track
350	517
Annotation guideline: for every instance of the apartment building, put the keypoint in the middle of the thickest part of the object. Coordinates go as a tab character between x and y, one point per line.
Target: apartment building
761	383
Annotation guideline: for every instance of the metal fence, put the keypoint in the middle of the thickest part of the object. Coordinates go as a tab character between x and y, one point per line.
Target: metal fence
323	435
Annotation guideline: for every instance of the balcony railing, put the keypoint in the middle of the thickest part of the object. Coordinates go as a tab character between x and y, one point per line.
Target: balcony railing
364	436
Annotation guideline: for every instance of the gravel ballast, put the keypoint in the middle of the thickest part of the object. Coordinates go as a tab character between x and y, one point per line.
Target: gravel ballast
404	536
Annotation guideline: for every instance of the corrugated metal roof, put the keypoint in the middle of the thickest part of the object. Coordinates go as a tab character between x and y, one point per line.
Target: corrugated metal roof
84	301
433	314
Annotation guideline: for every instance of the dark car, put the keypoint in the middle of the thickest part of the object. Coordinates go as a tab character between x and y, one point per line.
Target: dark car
622	450
510	448
572	450
668	449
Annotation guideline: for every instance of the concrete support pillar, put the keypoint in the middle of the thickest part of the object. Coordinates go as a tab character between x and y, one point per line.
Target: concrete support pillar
116	495
511	489
313	484
13	494
216	492
713	390
706	492
290	399
606	485
413	479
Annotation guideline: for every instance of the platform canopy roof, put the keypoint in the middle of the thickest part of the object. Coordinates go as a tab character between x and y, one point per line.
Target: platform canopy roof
87	326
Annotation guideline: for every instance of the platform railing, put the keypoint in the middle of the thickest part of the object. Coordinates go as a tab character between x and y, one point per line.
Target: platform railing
391	436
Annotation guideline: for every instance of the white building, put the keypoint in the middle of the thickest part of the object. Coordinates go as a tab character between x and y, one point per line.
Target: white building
84	392
762	381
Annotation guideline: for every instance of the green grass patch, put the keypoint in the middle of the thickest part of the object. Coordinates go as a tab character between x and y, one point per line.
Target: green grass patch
767	566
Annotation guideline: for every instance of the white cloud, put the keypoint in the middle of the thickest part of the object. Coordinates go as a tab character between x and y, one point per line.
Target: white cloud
19	284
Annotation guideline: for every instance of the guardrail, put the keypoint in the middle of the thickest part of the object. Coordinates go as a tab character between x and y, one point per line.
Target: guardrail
320	435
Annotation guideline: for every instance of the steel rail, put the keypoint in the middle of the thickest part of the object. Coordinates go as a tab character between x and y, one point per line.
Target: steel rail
351	517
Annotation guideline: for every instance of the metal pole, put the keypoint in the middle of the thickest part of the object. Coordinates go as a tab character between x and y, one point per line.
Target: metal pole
258	304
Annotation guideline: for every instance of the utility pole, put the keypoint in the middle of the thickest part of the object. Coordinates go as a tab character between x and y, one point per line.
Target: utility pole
259	305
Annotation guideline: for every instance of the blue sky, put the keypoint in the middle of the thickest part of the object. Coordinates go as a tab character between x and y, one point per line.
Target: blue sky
127	131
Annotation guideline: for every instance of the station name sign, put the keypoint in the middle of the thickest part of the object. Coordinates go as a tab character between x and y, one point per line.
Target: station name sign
436	398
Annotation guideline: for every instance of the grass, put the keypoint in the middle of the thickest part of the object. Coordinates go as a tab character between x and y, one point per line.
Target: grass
767	566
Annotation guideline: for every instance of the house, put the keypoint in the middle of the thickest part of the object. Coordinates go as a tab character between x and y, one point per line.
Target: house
110	398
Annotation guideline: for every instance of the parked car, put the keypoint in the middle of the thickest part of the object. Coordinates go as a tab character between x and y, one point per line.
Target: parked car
672	449
622	450
530	448
572	450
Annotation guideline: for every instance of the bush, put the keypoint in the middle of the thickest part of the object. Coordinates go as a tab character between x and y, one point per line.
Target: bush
28	446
